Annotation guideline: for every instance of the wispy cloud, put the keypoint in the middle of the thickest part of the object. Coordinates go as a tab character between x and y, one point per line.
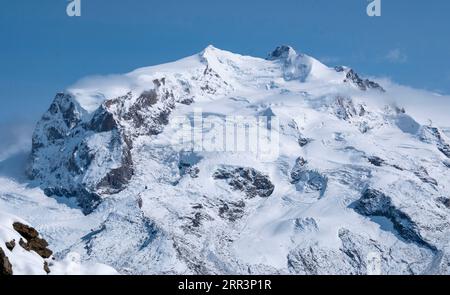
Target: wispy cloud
423	105
396	56
15	138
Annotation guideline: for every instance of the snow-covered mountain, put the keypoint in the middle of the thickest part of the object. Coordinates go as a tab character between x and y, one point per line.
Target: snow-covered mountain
147	172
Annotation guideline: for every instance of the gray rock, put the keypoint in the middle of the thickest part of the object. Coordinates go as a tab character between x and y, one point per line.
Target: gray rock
34	242
248	180
232	211
445	201
5	265
280	52
376	161
10	245
375	203
352	77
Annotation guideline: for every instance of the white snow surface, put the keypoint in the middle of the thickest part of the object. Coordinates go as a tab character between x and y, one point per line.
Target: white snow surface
168	222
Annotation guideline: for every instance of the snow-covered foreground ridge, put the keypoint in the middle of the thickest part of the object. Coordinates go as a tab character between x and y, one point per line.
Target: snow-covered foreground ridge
357	184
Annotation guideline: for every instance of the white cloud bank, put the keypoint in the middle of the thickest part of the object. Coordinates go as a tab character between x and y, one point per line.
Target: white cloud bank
424	106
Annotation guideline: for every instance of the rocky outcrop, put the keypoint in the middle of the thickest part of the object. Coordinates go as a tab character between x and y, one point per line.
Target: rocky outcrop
232	211
25	231
281	52
69	145
344	108
46	267
10	245
376	161
444	201
352	77
33	241
248	180
5	265
375	203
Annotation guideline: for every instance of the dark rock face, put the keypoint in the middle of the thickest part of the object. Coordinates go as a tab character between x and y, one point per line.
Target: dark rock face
375	203
344	108
87	200
33	243
195	221
307	180
248	180
303	141
116	179
376	161
148	114
25	231
353	77
280	52
232	211
5	265
103	121
10	245
46	268
445	201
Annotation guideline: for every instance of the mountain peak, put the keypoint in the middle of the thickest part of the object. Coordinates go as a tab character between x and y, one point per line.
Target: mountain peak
211	53
282	52
209	48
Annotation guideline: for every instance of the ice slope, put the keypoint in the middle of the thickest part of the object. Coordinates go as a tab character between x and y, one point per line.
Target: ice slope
357	184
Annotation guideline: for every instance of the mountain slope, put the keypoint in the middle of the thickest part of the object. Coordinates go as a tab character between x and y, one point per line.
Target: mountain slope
317	174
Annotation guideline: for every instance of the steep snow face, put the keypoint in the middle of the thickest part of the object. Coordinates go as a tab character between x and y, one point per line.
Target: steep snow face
353	184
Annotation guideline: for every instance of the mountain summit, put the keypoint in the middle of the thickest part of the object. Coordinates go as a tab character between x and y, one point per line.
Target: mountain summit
280	52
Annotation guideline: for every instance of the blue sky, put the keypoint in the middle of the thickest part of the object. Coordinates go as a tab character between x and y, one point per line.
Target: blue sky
42	50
